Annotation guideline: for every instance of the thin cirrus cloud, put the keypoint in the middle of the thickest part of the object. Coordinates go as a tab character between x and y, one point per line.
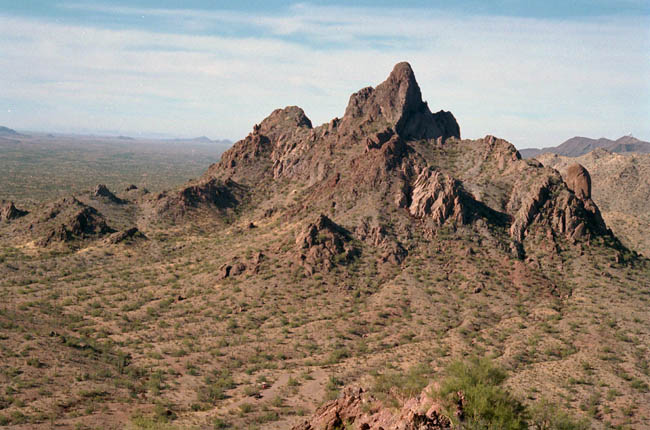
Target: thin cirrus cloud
190	72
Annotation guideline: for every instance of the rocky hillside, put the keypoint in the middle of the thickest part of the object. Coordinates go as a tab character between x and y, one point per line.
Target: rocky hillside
313	258
621	186
578	146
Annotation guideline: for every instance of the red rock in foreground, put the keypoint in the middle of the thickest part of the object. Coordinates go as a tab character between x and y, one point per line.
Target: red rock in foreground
356	409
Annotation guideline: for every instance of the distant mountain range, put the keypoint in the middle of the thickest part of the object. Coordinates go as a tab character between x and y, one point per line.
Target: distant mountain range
577	146
202	139
8	132
5	131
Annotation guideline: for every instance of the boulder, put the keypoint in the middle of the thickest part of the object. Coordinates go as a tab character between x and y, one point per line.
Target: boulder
579	181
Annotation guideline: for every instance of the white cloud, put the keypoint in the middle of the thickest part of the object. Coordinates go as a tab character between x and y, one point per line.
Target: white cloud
533	82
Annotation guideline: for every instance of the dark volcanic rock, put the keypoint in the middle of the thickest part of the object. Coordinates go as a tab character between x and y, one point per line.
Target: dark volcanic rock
69	219
398	103
322	244
102	191
128	235
8	211
210	193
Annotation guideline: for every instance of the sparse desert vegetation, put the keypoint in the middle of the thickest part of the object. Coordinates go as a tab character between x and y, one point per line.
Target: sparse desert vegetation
378	251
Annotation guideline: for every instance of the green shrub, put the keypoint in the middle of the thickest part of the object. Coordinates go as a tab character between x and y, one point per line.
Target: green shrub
547	416
407	384
486	404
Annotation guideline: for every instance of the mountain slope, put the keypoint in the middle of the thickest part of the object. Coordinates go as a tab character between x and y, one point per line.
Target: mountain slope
309	258
578	146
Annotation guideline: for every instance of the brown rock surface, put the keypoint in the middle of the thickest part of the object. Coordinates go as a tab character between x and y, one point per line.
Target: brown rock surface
102	191
578	180
356	409
127	235
437	196
322	244
8	211
66	220
620	186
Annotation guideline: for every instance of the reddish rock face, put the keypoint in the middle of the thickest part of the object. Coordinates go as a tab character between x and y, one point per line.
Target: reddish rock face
321	243
579	181
359	410
398	102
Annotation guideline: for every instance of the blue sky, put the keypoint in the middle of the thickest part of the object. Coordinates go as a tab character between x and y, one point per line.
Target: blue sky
534	73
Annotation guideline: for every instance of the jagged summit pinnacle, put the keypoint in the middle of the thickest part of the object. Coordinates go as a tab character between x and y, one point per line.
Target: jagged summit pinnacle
398	102
402	92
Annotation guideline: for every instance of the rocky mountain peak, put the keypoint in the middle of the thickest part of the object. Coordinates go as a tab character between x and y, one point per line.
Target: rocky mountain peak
397	103
281	120
399	95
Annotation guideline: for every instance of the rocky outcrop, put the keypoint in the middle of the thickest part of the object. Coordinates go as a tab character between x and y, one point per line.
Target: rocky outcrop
437	197
578	180
379	120
356	409
211	193
126	236
550	204
236	268
69	219
323	244
272	146
397	102
9	212
620	188
376	235
101	191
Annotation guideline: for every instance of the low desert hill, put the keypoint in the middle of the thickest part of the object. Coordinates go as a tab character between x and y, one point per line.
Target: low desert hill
621	187
578	146
372	251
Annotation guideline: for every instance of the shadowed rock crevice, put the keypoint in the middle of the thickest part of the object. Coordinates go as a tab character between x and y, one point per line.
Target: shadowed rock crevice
101	191
66	220
9	212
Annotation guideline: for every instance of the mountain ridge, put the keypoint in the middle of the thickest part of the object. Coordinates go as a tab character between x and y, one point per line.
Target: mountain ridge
311	258
578	145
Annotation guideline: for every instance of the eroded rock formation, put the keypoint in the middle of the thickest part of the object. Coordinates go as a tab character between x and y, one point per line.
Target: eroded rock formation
9	212
69	219
356	409
322	244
